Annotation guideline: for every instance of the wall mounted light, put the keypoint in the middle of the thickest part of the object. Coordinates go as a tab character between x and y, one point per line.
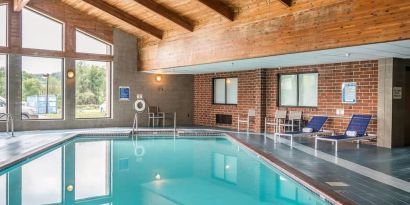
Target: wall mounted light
70	74
158	77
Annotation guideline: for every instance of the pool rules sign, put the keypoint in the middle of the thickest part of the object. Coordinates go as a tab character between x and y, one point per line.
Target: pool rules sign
124	92
397	93
349	92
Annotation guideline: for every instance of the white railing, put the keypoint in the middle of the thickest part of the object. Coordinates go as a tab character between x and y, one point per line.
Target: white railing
9	122
135	125
175	124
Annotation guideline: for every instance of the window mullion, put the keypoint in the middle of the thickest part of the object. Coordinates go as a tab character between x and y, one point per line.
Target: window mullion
226	92
297	90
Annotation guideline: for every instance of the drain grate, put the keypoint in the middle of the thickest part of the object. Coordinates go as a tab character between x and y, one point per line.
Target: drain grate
337	184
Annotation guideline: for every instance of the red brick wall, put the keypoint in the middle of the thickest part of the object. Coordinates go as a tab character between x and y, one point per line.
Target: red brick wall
258	89
205	111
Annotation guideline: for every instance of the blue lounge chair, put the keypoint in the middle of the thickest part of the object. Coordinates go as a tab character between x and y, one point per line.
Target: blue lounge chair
358	124
315	124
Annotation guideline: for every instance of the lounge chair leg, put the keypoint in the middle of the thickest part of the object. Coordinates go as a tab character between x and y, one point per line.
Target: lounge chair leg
336	148
265	127
291	141
315	143
238	122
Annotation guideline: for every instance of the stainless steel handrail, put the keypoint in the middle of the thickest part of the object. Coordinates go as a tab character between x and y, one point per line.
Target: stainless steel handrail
135	125
175	124
9	119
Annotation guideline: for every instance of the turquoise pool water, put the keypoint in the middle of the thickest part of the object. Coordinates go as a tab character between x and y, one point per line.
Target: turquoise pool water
150	171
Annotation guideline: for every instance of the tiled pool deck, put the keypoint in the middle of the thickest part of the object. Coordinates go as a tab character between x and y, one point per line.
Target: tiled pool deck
370	175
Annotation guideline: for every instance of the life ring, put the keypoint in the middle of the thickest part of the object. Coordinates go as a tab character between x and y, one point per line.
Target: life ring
139	105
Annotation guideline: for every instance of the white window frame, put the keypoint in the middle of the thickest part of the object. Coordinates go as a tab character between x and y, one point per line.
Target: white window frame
110	91
226	91
297	90
7	83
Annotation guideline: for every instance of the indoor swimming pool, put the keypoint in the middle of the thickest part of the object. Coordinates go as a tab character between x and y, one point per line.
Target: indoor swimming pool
150	170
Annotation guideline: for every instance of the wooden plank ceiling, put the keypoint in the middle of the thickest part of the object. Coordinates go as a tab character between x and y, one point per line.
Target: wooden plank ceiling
162	17
189	32
153	20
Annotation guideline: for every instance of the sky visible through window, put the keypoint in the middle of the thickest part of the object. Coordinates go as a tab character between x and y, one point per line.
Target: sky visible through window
40	32
36	65
88	44
3	25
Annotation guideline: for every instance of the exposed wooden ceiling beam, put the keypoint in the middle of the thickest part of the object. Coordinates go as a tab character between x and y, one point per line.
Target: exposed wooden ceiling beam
287	3
118	13
219	7
18	5
164	12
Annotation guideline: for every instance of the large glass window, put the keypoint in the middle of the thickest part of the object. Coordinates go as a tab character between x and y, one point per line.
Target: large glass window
225	90
42	90
92	168
85	43
41	32
308	89
42	180
298	90
3	25
3	86
93	89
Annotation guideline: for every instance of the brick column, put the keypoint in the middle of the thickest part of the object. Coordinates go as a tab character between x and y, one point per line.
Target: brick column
260	99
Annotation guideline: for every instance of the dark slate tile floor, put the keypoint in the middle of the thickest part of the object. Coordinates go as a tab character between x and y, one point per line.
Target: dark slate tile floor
361	189
394	162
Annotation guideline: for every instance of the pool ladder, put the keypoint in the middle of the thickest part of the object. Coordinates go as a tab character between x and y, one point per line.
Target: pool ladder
135	124
9	122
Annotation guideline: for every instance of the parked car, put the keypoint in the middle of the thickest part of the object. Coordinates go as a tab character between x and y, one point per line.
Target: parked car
26	111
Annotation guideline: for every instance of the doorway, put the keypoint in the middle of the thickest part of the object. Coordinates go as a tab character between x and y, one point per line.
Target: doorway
407	104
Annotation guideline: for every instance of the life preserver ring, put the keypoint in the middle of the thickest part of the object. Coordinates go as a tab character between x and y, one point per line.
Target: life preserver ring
139	105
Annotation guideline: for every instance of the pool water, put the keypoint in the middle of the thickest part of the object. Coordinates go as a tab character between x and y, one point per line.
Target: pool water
157	171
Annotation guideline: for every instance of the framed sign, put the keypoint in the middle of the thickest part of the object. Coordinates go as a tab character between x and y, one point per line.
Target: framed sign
349	92
397	93
124	93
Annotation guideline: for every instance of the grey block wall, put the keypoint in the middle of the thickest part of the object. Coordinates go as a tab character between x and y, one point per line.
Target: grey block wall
172	94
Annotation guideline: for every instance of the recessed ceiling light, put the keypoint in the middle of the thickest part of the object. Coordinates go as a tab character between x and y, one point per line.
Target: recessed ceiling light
347	54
